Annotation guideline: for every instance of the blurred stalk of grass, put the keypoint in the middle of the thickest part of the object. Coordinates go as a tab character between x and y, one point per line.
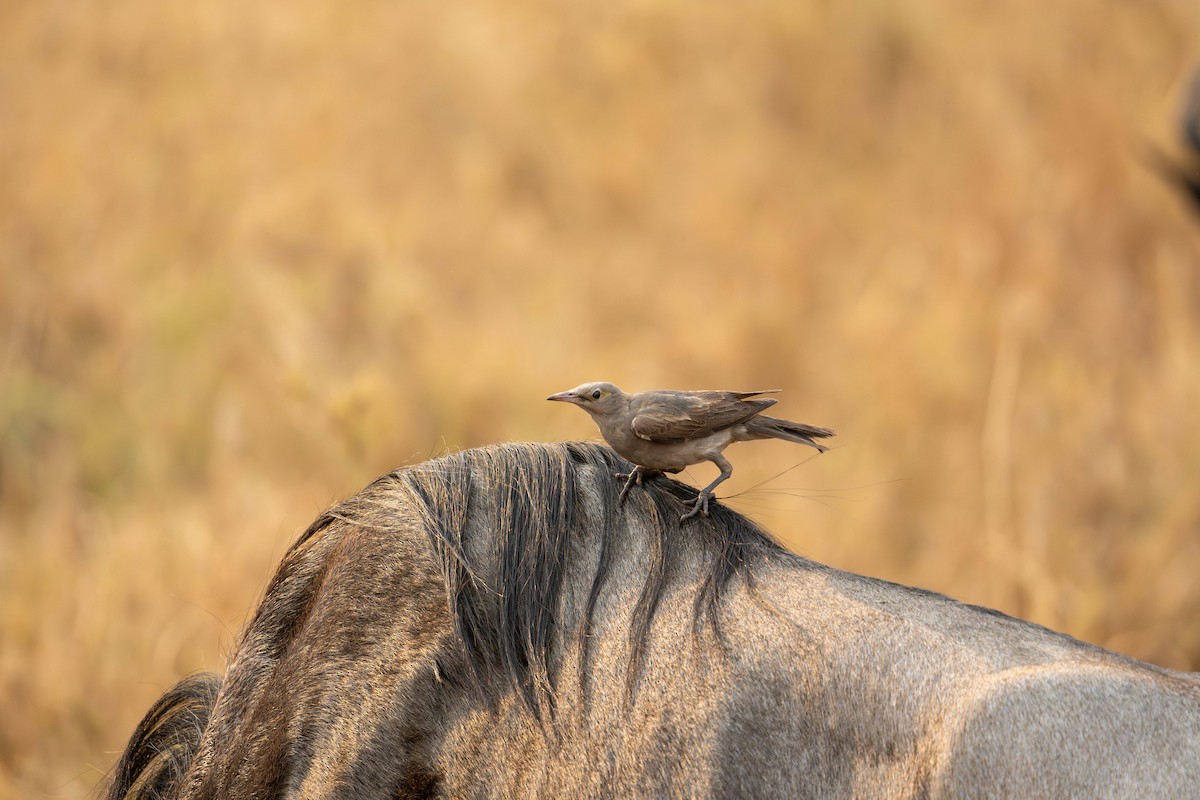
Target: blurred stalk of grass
255	255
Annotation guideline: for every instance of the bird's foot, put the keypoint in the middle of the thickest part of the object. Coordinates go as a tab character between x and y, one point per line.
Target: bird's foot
699	508
633	478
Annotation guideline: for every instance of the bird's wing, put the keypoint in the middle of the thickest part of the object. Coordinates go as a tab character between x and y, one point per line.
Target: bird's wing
678	416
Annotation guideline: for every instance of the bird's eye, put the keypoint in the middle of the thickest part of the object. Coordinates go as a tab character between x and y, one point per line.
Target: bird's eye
596	394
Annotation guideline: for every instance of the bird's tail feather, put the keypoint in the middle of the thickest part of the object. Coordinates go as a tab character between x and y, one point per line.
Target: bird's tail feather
798	432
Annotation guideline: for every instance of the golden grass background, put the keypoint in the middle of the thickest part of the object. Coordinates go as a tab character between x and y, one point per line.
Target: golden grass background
253	255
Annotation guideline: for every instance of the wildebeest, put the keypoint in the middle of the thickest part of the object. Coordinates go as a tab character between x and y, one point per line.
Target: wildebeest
1185	175
492	624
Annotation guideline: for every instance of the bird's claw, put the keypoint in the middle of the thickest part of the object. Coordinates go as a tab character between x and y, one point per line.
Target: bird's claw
637	477
699	508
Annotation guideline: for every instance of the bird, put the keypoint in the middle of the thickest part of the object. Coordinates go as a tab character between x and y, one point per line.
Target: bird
667	431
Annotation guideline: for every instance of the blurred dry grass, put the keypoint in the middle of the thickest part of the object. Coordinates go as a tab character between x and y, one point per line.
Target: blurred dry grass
254	255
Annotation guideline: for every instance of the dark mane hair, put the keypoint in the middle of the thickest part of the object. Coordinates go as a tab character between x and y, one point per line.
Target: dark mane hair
531	498
164	742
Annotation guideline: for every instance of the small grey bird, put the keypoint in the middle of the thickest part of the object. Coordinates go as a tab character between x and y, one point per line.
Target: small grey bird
666	431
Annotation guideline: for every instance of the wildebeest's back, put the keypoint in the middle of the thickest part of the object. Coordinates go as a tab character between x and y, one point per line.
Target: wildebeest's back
938	697
1076	730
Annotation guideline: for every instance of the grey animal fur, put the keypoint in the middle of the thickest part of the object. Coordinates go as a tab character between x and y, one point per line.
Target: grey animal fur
490	624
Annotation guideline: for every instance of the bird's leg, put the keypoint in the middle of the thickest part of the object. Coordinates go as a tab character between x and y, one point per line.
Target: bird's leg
634	478
700	508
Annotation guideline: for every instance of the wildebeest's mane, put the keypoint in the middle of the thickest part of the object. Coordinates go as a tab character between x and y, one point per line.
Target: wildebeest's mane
162	746
533	495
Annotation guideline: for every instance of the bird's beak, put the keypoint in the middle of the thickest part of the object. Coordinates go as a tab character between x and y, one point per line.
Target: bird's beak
565	397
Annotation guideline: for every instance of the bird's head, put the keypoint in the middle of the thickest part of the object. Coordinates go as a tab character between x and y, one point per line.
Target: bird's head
595	398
